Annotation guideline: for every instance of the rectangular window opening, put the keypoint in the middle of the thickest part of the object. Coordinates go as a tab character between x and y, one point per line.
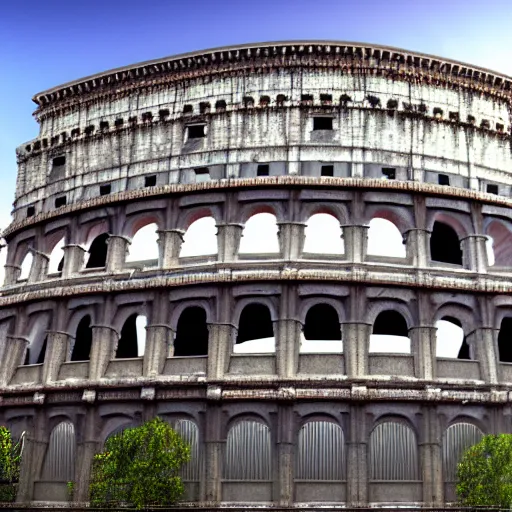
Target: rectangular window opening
196	131
492	189
105	189
150	181
59	161
31	211
60	201
263	170
202	174
443	179
327	170
389	173
322	123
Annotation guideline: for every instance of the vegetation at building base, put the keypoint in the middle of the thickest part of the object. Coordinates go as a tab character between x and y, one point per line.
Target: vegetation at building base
140	467
485	473
10	458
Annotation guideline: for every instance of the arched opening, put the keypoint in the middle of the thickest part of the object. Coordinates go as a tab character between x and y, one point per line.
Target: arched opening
385	239
456	440
200	239
98	252
26	266
450	339
190	472
505	340
83	340
320	452
323	235
56	262
59	461
500	239
248	452
390	334
191	333
132	341
445	244
144	245
255	330
38	339
322	332
489	251
260	235
393	452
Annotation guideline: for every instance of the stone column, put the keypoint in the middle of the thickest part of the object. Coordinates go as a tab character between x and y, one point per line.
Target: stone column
104	339
221	340
12	274
474	253
169	247
417	247
57	350
287	330
73	259
483	346
214	443
228	241
431	459
116	253
423	348
13	357
291	239
356	241
286	433
39	267
357	457
356	339
159	346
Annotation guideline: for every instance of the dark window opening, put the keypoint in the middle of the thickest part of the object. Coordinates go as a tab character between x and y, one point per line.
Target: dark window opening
54	140
188	109
374	101
485	123
264	100
150	181
42	353
64	136
464	352
28	148
103	125
127	344
147	117
389	173
83	340
392	104
390	323
327	170
196	131
322	323
204	107
220	105
326	99
248	101
280	99
118	123
492	189
58	161
98	252
322	123
89	130
443	179
105	189
263	170
163	113
60	201
45	143
191	333
31	211
444	244
75	132
438	112
344	99
500	127
202	174
306	98
255	323
453	116
471	119
132	120
60	266
505	340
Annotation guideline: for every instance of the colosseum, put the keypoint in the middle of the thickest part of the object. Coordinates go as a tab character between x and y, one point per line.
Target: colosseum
299	354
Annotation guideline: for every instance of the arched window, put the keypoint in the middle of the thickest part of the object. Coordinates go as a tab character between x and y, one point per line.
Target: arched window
456	440
385	239
38	339
390	334
83	340
323	235
26	265
144	245
322	331
191	333
505	340
393	452
59	462
200	239
189	432
320	452
260	235
500	240
255	331
445	244
98	252
133	337
56	261
248	452
450	339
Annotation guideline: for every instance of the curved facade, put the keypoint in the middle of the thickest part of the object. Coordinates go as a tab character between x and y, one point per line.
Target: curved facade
263	358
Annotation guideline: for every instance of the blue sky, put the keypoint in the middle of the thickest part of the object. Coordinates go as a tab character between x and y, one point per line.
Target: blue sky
47	42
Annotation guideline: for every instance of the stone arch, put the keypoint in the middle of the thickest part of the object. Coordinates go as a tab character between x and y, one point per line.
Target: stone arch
189	431
137	222
35	351
393	451
505	340
337	210
59	461
500	236
132	338
81	349
191	338
453	322
321	331
26	266
116	423
321	452
144	243
259	224
200	239
191	215
323	235
401	217
97	252
248	451
255	326
390	331
56	261
444	244
385	239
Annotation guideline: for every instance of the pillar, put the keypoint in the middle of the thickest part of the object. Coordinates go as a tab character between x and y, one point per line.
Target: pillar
73	259
116	253
169	247
356	241
357	457
286	434
104	339
291	239
430	456
212	475
423	348
228	236
159	346
57	350
287	330
221	338
356	337
12	274
483	346
13	357
474	253
39	267
418	247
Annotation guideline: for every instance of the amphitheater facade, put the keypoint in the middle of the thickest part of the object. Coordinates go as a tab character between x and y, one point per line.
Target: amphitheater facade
286	131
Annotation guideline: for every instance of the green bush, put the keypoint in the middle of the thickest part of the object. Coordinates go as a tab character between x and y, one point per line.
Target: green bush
140	467
485	473
10	458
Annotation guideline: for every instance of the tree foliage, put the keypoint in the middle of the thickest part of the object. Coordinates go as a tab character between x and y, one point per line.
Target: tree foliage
140	467
10	458
485	473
